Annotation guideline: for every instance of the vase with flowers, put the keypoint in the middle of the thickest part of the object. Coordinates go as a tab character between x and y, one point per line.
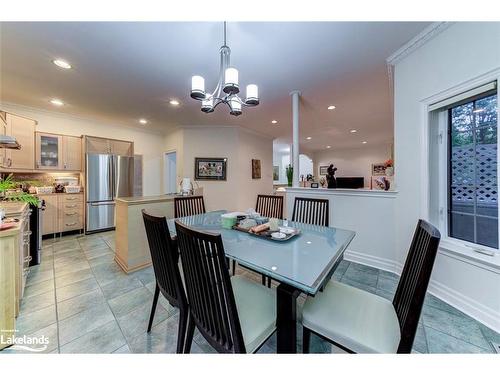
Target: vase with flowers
389	167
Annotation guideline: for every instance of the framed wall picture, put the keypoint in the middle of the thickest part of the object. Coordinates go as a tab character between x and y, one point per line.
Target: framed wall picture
256	172
276	173
210	169
323	170
378	169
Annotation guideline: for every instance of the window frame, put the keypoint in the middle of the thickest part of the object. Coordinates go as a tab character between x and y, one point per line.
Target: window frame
447	112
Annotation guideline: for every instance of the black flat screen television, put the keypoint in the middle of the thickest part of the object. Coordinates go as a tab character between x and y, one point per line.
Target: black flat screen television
350	182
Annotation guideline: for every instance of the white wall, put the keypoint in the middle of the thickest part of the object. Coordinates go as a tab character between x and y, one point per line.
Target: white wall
460	53
239	146
352	162
148	144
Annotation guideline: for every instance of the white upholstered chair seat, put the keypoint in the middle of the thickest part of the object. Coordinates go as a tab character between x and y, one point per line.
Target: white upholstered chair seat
357	320
256	307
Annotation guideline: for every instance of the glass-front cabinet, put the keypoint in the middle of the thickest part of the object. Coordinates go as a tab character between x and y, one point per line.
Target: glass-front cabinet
48	151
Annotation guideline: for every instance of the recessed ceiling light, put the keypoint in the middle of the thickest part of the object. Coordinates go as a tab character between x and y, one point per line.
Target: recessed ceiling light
364	142
354	131
62	63
331	107
309	138
57	102
174	102
143	121
274	122
328	146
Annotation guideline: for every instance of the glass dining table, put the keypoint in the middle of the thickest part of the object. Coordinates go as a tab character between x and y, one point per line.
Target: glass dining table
303	264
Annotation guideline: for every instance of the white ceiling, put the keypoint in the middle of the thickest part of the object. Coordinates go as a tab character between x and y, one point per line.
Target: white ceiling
126	71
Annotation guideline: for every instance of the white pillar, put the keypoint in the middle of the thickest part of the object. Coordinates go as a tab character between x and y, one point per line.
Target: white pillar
295	136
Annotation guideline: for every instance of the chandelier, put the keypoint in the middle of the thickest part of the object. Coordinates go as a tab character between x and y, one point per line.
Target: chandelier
227	87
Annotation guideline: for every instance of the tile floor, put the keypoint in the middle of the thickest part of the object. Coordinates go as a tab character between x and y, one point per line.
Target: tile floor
82	301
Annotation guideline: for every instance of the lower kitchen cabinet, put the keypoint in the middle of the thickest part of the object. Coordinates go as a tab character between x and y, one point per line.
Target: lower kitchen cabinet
63	213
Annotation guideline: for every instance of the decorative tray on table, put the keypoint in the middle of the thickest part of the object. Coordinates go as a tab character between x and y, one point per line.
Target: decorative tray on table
283	234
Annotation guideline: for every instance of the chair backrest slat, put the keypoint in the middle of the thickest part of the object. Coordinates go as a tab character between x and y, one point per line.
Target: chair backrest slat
188	206
270	205
410	294
164	256
209	290
311	211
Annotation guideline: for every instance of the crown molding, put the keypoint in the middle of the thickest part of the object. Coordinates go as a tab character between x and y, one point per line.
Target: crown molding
418	41
13	106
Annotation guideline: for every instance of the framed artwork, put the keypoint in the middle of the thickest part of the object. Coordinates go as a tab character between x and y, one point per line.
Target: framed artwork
256	172
378	169
210	169
276	173
323	170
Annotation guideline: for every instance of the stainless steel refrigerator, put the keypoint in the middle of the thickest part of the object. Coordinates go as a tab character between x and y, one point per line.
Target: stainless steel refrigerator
108	177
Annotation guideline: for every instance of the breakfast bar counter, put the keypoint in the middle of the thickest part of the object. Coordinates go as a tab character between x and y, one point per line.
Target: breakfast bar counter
132	250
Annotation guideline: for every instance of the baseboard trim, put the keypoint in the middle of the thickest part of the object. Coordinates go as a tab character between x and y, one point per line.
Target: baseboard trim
467	305
373	261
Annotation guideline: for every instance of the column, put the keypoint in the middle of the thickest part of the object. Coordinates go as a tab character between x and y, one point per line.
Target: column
295	136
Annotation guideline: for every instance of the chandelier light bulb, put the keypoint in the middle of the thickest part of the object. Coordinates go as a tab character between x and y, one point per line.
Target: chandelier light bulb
252	95
235	107
207	105
197	87
231	81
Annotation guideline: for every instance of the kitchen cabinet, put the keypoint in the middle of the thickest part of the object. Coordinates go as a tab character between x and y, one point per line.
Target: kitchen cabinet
23	129
49	215
72	153
3	131
63	213
97	145
58	152
8	257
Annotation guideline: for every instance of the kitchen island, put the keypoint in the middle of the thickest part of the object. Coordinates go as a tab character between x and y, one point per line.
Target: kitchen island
132	249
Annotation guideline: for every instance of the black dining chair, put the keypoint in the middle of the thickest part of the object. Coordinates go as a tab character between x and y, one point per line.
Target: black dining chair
360	322
233	314
270	206
165	258
188	206
311	211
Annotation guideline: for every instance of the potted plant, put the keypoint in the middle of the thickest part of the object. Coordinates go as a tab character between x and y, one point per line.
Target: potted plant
389	167
8	183
289	174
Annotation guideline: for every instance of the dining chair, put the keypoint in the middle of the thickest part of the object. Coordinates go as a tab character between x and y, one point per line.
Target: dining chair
233	314
189	205
165	258
270	206
311	211
361	322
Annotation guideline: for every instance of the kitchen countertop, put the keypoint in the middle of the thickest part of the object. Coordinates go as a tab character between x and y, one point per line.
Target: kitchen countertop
147	199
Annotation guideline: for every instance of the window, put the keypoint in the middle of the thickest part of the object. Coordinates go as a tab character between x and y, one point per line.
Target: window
472	170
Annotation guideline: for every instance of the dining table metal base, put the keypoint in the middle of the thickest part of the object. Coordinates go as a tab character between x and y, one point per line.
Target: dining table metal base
286	318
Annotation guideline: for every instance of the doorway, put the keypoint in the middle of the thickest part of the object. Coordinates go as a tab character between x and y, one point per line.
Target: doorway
170	172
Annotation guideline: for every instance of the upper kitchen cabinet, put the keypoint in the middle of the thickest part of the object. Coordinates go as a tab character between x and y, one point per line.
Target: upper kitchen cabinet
72	151
23	129
49	154
3	131
97	145
58	152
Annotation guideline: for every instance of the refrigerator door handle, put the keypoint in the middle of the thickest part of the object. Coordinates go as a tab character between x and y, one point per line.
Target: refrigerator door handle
96	204
112	176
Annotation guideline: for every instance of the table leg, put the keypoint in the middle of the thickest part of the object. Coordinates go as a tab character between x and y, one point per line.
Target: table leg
286	319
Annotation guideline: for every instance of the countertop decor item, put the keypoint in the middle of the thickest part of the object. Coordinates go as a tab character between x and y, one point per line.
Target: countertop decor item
289	174
8	183
227	88
210	169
